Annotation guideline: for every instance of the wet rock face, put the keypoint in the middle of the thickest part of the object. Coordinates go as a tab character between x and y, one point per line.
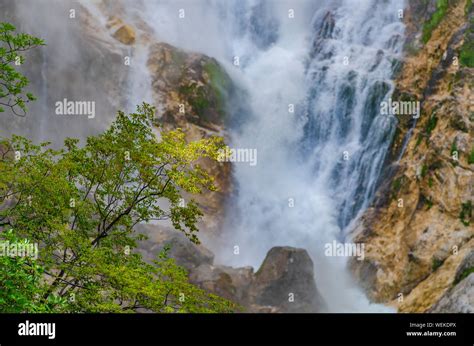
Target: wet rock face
419	230
194	87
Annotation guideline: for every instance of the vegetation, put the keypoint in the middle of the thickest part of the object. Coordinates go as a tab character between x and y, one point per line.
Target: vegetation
82	205
468	7
13	82
430	125
79	207
397	185
21	283
466	56
220	82
429	203
466	213
454	148
436	18
470	158
465	273
196	96
424	170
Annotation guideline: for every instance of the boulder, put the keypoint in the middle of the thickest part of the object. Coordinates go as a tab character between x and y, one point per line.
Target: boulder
286	281
189	82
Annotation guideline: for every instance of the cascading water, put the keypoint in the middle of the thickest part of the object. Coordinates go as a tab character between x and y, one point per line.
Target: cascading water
353	56
318	166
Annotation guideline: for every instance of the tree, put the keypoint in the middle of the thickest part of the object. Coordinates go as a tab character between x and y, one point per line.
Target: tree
21	282
82	205
13	82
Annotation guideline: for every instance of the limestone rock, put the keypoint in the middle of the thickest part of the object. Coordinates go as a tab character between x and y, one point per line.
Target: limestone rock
192	89
193	86
460	299
420	226
125	34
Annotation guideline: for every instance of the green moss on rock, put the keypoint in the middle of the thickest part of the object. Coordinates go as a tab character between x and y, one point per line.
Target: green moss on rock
436	18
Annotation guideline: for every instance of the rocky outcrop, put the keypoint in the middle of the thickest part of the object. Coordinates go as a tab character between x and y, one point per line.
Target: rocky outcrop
124	33
284	283
191	90
419	231
459	299
192	86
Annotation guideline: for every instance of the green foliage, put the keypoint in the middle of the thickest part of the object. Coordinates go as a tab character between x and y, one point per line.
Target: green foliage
431	124
220	83
196	96
429	203
426	132
436	18
21	282
424	170
465	273
419	139
397	185
468	7
466	56
466	213
470	158
200	101
13	82
82	205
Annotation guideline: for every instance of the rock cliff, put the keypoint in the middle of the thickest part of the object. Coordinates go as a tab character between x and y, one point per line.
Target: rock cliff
419	230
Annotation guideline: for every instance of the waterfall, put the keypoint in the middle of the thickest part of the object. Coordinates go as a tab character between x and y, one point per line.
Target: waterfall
313	74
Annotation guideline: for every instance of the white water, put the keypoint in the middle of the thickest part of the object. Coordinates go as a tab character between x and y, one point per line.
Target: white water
293	61
300	155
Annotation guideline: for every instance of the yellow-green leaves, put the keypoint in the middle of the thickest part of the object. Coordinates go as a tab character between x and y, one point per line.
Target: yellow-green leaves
81	204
